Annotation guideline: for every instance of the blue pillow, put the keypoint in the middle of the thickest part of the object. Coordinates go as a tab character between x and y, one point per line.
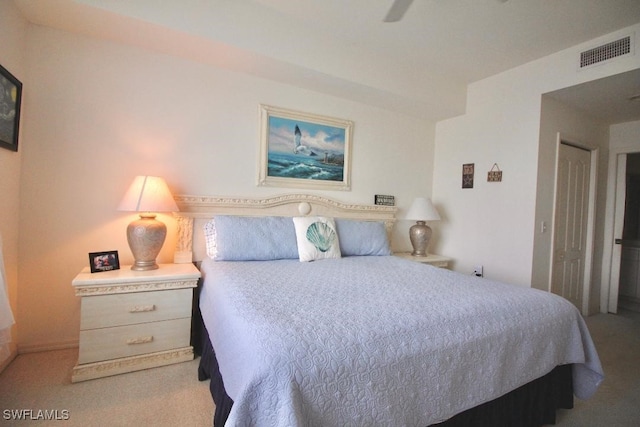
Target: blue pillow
359	238
238	238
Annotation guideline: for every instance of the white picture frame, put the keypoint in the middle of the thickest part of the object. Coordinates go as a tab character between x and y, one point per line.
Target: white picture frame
304	150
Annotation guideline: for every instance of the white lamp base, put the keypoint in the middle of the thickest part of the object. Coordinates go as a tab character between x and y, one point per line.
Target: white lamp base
146	237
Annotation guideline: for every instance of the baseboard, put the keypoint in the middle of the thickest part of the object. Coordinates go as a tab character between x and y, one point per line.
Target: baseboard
13	352
36	348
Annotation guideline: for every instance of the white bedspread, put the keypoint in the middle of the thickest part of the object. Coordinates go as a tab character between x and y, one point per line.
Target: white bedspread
380	341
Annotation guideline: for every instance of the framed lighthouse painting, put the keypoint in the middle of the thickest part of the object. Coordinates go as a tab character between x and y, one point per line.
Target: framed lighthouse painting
304	150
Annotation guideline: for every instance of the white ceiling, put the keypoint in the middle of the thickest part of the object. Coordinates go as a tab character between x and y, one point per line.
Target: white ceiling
420	65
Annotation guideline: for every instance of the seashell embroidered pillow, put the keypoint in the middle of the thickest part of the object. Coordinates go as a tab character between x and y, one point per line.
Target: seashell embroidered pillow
316	237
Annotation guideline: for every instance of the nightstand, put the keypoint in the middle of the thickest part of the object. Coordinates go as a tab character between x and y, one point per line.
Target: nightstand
435	260
133	320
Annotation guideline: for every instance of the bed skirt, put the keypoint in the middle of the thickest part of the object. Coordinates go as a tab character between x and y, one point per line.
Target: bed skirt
532	405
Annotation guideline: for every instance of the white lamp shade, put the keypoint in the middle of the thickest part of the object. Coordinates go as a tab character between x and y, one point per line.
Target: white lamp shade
148	194
422	210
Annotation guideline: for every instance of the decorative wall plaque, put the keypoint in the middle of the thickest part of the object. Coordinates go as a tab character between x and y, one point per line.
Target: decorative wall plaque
495	174
384	200
467	175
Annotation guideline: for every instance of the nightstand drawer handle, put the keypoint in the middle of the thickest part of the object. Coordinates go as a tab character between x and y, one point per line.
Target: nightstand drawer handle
142	308
140	340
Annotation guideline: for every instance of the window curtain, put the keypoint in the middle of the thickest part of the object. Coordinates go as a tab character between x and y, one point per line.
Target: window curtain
6	316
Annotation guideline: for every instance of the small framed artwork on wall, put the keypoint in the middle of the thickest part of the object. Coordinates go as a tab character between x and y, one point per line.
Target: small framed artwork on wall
467	175
104	261
10	100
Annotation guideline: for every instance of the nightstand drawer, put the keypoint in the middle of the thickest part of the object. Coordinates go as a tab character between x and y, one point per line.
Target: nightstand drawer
127	309
123	341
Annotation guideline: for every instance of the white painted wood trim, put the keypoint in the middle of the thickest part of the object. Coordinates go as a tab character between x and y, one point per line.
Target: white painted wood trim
618	226
591	219
590	244
125	280
129	364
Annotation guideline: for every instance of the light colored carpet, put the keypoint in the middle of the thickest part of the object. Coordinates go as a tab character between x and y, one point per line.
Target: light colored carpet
166	396
173	396
617	401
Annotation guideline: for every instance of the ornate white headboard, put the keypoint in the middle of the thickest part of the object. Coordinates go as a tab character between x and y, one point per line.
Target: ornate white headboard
195	211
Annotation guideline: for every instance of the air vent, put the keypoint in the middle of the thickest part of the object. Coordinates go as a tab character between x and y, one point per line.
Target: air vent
605	52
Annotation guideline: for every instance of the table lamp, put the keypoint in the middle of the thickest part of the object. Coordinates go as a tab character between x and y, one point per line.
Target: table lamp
421	210
147	195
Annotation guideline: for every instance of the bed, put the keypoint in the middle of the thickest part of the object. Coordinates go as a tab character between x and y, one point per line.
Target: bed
360	337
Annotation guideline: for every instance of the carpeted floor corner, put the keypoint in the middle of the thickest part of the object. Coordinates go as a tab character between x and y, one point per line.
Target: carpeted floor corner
166	396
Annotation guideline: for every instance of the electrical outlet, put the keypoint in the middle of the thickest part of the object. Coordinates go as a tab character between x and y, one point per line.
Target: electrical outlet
478	271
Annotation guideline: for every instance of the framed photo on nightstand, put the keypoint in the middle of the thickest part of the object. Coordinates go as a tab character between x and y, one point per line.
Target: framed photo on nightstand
104	261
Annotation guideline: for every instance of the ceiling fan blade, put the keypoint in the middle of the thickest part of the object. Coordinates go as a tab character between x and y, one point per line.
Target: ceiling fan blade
397	11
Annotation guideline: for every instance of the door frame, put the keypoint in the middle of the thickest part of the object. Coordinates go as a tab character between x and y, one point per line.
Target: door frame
591	215
611	274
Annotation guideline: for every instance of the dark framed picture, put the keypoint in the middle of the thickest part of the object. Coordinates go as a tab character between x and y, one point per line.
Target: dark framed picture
467	175
104	261
10	100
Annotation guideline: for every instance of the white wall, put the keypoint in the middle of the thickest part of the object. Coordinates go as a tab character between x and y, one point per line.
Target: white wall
578	128
482	226
104	112
494	223
625	137
12	34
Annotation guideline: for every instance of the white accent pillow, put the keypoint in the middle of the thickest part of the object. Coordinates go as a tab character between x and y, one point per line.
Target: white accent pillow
317	238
